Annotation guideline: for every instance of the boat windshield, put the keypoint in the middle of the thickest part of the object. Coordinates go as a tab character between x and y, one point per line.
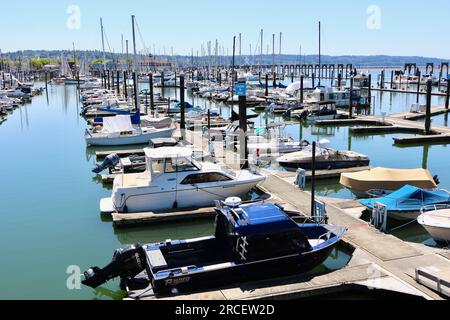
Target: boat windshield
180	165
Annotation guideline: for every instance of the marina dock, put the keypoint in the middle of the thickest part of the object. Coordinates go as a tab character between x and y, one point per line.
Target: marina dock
403	269
371	265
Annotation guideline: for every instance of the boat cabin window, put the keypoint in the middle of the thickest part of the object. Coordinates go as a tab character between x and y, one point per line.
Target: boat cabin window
179	165
205	178
277	245
156	167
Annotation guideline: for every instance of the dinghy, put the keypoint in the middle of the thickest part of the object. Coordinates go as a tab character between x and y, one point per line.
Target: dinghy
251	242
406	203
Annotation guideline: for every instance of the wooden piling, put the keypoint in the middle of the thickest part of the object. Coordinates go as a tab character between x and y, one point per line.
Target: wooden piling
418	88
152	101
243	131
351	99
136	98
302	79
447	99
182	101
428	111
267	85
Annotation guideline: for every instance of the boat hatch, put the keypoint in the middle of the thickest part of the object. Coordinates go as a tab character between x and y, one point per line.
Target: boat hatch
156	259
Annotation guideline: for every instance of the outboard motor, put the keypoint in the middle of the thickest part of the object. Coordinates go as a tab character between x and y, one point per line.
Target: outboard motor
437	180
110	162
126	263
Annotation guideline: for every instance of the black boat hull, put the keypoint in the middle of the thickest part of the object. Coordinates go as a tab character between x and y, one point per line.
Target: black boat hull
239	274
326	165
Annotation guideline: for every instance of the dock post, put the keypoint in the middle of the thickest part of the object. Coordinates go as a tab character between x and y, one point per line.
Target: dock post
382	79
162	79
118	82
428	112
267	85
292	77
369	101
302	79
125	87
392	79
243	128
152	102
109	81
219	76
209	120
351	99
274	80
46	81
113	81
313	80
183	119
135	80
447	98
418	88
313	181
339	80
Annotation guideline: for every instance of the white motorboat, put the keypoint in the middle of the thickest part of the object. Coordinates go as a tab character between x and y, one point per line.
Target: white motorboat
173	180
326	158
118	131
436	220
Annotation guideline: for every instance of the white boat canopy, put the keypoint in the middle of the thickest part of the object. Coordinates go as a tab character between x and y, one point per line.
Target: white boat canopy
292	88
168	152
118	123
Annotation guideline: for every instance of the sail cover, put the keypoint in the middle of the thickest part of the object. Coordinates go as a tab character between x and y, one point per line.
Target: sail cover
409	198
118	123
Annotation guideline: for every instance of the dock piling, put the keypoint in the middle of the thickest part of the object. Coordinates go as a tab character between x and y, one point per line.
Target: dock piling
428	111
447	99
152	102
182	99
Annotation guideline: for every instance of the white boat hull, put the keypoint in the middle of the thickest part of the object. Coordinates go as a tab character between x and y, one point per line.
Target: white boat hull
439	234
182	199
143	138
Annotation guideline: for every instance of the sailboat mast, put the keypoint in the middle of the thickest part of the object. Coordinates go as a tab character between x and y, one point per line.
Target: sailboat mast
273	53
279	58
320	53
135	67
103	44
262	37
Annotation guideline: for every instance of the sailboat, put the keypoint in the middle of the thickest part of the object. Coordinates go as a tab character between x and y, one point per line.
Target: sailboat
119	130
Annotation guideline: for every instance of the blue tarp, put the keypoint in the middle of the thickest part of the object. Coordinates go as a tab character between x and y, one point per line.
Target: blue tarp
409	198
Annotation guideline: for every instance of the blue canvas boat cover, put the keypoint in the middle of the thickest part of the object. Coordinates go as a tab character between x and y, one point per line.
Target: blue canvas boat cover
409	198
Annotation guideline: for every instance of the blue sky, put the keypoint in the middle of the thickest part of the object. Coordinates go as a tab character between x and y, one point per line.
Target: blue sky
407	27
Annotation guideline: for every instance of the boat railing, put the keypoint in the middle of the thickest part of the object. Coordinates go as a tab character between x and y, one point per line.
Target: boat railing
434	207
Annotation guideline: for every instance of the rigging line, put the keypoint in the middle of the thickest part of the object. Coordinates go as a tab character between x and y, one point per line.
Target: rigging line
140	34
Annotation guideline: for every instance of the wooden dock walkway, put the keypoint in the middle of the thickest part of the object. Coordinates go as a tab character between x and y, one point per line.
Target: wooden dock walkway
404	122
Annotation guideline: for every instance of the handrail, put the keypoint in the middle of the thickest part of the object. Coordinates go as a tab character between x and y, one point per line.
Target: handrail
434	207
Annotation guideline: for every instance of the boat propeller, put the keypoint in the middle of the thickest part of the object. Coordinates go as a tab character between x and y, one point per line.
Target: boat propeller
126	263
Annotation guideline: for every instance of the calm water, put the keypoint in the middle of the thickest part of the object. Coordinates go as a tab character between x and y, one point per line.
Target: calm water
50	198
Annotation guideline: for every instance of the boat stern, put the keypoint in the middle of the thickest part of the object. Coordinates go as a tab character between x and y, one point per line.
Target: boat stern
107	206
